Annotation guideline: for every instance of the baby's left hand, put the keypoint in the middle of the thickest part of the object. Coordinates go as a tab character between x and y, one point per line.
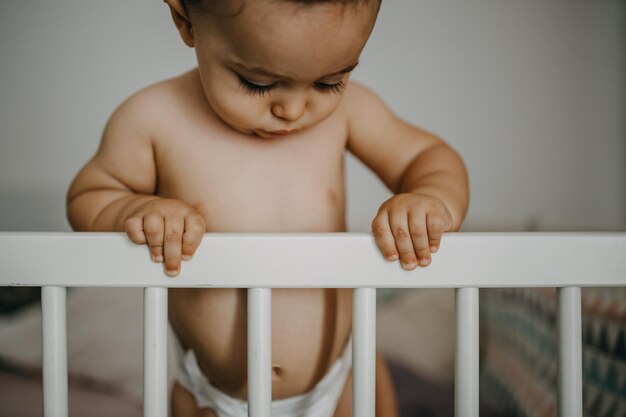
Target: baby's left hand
408	226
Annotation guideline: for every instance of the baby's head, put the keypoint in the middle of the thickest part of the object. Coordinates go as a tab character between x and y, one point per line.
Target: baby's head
274	65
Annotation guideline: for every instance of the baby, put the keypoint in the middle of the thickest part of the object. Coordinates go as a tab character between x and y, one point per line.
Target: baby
253	140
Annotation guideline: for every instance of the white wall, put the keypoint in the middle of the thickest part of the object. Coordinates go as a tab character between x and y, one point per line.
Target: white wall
531	92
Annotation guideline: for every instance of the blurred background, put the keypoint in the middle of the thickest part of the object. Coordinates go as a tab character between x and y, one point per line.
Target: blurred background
532	93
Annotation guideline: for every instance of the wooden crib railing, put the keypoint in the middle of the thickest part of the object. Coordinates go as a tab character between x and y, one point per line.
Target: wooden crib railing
259	262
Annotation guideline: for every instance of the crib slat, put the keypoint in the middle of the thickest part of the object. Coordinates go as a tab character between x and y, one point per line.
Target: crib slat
53	309
570	391
364	352
155	393
259	352
467	345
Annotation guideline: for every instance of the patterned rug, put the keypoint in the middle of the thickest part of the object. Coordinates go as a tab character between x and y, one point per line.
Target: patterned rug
519	357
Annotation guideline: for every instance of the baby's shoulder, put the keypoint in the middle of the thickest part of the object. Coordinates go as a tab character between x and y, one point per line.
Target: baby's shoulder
359	98
152	104
355	91
145	116
362	106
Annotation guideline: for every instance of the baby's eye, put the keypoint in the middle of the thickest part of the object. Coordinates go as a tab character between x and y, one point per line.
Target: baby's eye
253	88
334	88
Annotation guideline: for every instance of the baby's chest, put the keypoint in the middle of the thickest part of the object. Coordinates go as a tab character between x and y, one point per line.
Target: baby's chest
292	186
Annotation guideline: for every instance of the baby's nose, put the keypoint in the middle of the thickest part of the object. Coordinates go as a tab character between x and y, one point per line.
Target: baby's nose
290	110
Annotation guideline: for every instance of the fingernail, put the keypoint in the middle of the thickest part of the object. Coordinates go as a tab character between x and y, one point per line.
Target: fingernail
392	257
409	265
157	258
172	272
424	261
186	257
433	249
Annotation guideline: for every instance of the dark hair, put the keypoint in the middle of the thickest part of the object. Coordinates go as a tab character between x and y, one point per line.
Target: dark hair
220	8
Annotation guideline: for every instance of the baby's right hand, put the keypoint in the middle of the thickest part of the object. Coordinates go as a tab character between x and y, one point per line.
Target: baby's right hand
171	228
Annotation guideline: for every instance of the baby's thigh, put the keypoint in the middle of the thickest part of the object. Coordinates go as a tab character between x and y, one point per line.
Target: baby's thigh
344	405
386	402
184	404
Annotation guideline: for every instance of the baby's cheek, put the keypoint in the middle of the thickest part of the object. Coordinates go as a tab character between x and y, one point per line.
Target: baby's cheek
323	108
238	112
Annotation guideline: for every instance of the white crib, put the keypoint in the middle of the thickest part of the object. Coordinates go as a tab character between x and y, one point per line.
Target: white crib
259	262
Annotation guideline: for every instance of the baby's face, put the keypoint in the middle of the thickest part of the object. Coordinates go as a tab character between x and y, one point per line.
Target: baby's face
276	66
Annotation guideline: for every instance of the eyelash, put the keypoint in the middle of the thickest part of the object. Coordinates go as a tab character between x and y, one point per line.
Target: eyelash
331	88
255	89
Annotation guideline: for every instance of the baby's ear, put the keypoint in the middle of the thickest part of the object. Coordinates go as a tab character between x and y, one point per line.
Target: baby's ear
182	21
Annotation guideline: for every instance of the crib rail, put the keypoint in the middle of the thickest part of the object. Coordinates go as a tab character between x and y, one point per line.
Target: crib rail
263	261
316	260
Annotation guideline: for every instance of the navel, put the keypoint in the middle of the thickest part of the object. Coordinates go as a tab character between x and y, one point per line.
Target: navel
277	372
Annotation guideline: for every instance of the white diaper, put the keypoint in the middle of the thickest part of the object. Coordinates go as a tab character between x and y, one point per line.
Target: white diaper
321	401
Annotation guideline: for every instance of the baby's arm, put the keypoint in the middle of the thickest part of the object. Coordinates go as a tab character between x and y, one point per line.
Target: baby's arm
115	191
428	177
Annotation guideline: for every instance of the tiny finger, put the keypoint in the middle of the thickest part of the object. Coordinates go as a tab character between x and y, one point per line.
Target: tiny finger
194	231
153	229
384	237
419	237
133	226
172	244
435	230
436	226
402	234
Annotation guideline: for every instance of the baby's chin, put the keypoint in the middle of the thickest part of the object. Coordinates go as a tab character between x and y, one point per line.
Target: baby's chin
264	133
274	135
237	127
258	131
254	132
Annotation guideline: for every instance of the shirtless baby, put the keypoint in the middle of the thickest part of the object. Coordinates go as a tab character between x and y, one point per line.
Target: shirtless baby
253	140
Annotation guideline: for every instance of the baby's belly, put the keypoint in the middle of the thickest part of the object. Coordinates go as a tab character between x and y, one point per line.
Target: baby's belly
309	330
